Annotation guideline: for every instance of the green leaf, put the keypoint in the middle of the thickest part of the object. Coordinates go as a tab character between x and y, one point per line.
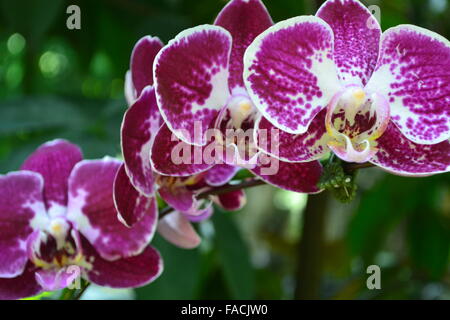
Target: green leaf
429	243
380	208
428	231
234	257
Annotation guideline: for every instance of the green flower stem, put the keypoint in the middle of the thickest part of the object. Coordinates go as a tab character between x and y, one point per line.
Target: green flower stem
254	182
74	294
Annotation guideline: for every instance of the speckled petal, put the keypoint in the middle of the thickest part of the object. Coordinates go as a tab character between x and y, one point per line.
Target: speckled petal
220	174
54	160
139	127
91	208
131	272
401	156
141	63
413	73
244	19
131	205
289	72
22	211
173	157
356	39
308	146
191	80
177	229
298	177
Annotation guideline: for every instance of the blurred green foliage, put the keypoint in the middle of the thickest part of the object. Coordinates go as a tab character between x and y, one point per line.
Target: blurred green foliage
60	83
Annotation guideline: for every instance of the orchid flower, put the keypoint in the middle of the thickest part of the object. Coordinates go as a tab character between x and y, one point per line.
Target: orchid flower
199	88
57	216
335	82
137	180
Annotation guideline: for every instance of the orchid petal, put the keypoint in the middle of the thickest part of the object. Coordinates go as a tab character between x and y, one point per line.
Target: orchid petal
289	72
22	211
232	201
22	286
179	198
130	204
199	215
141	63
345	149
52	280
191	83
356	39
398	155
413	73
91	208
131	272
54	160
129	90
177	229
298	177
220	174
288	147
244	19
173	157
139	127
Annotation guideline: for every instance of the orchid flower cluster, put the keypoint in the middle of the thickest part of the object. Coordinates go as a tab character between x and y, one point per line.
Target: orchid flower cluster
242	93
58	222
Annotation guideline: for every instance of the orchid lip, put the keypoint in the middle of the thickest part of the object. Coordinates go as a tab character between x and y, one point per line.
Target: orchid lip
57	246
355	119
235	130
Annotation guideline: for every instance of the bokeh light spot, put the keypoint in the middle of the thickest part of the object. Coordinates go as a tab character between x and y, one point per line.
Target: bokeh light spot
16	43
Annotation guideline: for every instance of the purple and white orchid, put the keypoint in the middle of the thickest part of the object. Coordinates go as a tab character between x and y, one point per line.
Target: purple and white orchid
335	82
201	95
137	180
58	213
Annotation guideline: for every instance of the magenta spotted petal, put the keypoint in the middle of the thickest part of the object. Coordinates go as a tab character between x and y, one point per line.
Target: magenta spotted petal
244	19
413	73
91	208
132	272
308	146
22	211
289	72
132	206
298	177
22	286
177	229
220	174
356	39
54	160
191	80
139	127
170	156
401	156
141	64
